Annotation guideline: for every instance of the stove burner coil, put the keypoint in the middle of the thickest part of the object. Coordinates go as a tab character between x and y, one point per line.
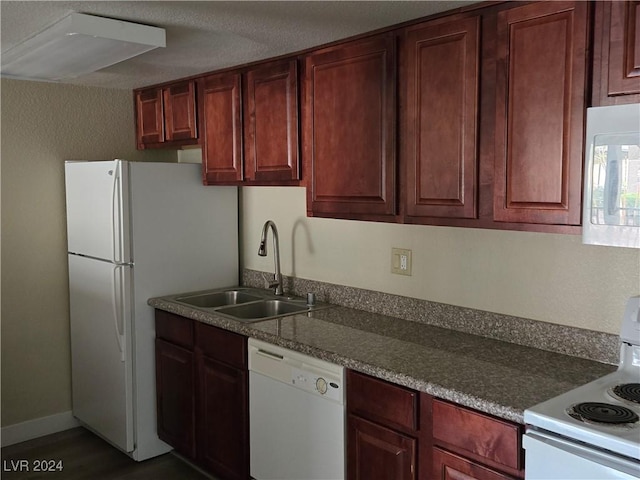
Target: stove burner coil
628	391
602	413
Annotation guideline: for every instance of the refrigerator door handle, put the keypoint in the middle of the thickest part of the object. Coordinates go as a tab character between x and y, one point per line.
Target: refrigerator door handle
115	226
117	301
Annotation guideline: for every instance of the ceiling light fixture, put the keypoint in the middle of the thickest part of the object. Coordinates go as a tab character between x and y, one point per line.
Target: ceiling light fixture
79	44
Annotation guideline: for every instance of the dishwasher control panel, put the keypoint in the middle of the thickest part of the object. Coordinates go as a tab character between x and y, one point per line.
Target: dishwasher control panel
301	371
319	383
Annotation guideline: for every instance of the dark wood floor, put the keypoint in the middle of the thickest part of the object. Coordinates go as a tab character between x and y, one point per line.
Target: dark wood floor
83	455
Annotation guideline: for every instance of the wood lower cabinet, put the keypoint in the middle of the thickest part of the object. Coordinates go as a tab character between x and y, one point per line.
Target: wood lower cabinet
382	429
541	52
349	128
175	382
396	432
448	466
375	452
166	116
616	67
440	84
202	394
223	405
474	444
222	418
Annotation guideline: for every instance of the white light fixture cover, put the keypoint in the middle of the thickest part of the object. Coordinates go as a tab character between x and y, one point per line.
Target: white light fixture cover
79	44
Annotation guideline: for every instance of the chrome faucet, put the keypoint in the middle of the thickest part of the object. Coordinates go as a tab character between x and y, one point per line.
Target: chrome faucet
262	251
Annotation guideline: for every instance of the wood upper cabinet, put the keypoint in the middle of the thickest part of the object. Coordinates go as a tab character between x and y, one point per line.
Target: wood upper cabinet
439	119
250	125
271	122
221	101
149	117
349	129
616	69
180	111
166	116
540	110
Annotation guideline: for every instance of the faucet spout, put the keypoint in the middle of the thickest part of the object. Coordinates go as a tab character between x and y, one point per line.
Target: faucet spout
262	251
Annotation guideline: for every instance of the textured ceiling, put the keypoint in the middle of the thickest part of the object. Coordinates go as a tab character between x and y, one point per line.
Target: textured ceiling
203	36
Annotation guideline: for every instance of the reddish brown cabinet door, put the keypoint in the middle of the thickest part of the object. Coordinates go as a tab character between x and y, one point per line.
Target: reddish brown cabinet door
440	119
448	466
540	109
175	397
616	68
491	441
180	111
349	129
378	453
149	117
223	438
221	106
166	116
271	123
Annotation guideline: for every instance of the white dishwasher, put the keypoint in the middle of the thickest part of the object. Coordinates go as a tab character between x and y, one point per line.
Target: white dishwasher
296	415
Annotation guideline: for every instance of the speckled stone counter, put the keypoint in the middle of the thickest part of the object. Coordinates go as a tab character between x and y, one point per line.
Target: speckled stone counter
492	376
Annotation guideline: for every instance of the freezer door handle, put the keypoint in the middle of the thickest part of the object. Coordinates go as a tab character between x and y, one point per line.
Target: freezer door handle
117	303
115	209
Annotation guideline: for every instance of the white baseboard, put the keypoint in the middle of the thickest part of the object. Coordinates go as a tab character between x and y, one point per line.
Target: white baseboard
38	427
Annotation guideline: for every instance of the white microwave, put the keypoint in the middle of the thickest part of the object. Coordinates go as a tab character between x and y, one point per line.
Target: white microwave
611	207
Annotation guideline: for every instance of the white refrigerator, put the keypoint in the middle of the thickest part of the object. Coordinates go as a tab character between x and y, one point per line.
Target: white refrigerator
136	230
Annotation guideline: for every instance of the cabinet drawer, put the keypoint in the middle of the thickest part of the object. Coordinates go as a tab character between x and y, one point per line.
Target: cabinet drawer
228	347
174	329
382	401
497	441
447	466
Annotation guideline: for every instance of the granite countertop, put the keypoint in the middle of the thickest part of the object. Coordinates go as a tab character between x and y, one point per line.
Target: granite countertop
492	376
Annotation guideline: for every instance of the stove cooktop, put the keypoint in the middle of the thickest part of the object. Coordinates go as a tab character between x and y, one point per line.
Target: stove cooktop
594	414
604	413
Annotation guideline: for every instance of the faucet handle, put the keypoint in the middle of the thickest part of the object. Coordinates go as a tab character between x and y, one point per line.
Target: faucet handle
270	283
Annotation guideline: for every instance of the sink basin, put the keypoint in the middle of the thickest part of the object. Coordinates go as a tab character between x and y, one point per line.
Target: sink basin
246	304
218	299
262	310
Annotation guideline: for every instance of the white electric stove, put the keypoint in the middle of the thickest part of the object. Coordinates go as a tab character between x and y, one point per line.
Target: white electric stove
593	431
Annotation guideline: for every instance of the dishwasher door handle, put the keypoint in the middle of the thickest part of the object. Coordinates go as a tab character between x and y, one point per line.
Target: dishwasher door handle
268	354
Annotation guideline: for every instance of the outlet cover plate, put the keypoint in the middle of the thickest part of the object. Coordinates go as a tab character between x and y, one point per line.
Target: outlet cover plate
401	261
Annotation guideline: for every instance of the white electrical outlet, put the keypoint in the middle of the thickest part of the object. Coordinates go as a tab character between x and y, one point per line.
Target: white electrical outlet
401	261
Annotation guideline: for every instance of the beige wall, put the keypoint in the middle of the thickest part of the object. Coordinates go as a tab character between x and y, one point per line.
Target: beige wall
548	277
44	124
540	276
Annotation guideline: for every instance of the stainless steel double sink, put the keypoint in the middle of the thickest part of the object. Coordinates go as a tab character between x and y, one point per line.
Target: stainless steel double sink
248	304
